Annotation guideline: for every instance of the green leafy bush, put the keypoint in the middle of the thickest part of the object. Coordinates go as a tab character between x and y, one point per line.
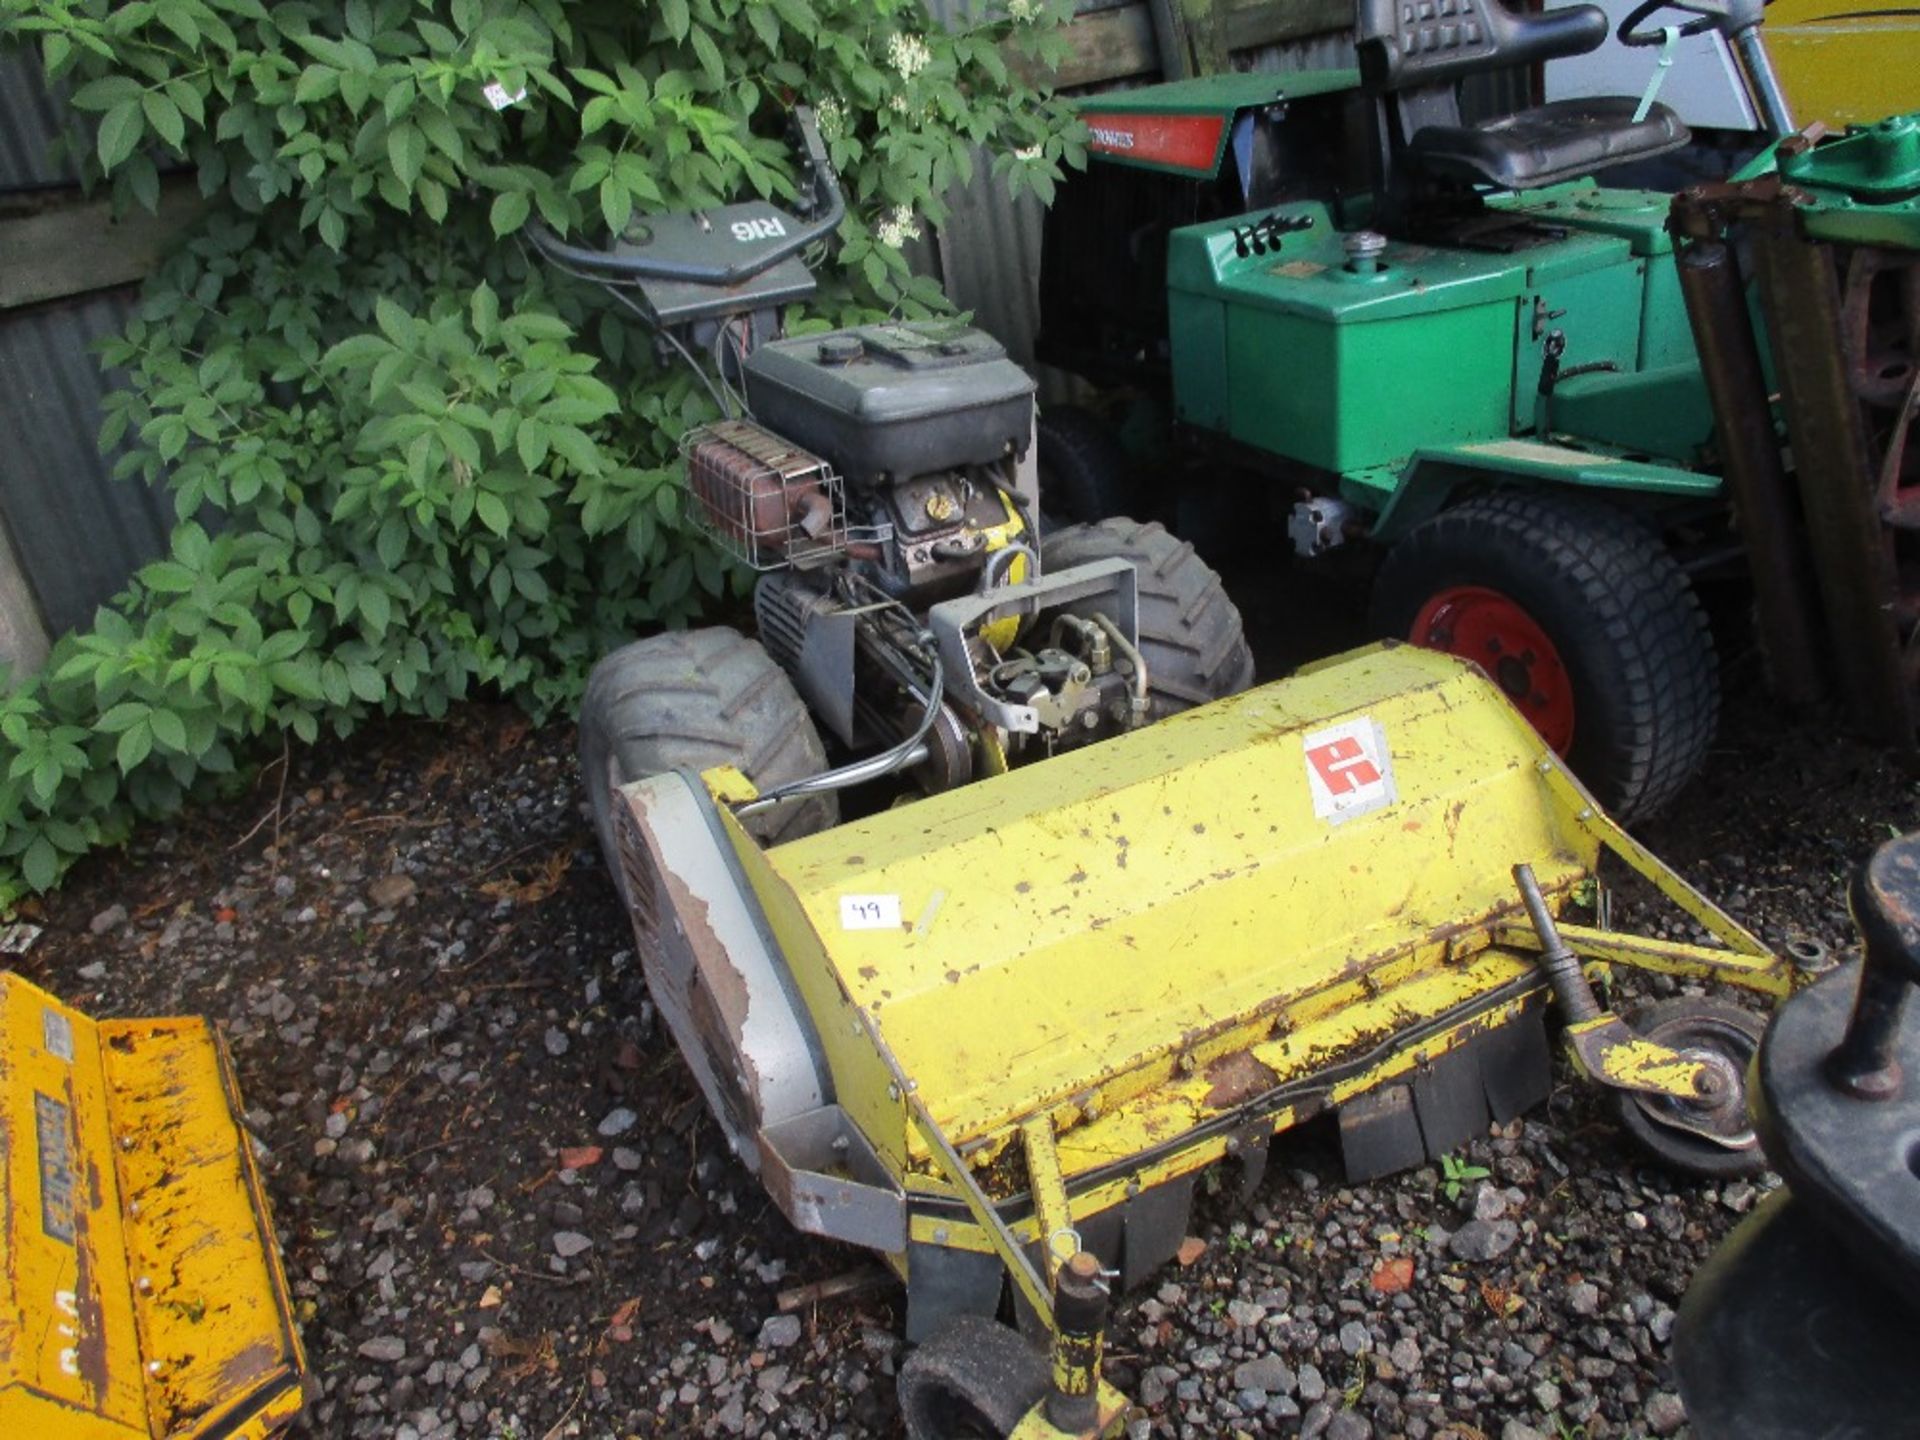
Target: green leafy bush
407	462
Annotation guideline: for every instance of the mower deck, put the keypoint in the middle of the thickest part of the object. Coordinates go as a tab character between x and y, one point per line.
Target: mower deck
1110	929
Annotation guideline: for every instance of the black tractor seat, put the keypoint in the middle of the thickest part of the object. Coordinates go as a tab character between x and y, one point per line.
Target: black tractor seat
1413	56
1543	146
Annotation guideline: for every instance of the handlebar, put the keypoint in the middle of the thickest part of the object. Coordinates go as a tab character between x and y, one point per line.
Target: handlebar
1730	17
772	233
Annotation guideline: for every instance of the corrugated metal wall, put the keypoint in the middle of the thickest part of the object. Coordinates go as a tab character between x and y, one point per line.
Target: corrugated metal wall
79	533
30	121
72	534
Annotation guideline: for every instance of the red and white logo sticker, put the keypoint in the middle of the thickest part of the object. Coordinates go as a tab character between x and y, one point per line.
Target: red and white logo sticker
1348	769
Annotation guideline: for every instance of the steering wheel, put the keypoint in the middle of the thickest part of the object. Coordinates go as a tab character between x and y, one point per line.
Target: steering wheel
1727	16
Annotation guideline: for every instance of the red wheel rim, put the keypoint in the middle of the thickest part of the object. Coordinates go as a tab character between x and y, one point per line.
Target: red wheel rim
1499	636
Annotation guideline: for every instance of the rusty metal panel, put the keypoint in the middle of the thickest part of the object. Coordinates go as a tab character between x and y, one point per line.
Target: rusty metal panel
79	533
141	1292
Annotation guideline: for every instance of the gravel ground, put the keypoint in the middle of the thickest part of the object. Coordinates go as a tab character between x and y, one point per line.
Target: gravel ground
506	1214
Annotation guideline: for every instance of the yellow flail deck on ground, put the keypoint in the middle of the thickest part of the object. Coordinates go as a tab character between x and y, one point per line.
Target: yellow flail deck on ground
141	1293
1290	876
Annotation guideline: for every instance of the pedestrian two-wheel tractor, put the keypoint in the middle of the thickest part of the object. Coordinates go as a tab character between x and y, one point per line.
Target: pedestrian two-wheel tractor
1440	336
1071	914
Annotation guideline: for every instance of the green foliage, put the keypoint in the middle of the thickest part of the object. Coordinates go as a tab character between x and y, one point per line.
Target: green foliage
1457	1172
408	463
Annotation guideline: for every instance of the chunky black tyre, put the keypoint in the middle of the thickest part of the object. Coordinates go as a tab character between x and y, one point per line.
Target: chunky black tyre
694	699
1586	621
1191	635
1084	474
973	1379
1714	1028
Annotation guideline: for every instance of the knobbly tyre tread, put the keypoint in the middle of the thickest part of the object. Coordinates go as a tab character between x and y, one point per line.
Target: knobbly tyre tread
1191	634
694	699
971	1375
1084	474
1614	601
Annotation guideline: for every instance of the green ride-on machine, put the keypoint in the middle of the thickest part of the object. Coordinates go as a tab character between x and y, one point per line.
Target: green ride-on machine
1446	338
988	904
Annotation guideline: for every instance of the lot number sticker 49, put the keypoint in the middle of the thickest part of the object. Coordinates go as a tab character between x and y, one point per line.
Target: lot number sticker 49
1348	769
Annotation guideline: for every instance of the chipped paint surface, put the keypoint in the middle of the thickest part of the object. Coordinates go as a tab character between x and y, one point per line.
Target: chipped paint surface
1182	890
163	1190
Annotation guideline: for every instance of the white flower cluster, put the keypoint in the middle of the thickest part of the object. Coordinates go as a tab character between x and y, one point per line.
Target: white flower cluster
831	116
1021	12
908	54
898	228
1027	152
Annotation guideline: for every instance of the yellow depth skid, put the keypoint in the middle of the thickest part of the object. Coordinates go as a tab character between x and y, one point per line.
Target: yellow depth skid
141	1294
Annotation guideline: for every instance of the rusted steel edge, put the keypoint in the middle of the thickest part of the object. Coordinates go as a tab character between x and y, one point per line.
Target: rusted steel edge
1288	1104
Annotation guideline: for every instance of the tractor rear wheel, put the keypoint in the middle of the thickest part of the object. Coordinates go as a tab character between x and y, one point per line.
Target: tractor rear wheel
692	700
1579	613
1191	635
973	1379
1084	474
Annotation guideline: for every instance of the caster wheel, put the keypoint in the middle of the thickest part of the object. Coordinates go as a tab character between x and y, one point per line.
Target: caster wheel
1711	1137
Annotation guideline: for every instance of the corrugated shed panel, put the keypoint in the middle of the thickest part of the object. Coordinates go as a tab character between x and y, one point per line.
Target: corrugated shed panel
30	120
1331	51
990	258
79	533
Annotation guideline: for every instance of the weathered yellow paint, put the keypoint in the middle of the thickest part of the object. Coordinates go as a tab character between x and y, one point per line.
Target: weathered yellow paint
1001	634
1115	963
1162	893
1761	973
1608	1052
1845	62
1114	1409
1049	1190
141	1294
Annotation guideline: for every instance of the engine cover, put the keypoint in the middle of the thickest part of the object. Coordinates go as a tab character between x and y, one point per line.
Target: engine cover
891	401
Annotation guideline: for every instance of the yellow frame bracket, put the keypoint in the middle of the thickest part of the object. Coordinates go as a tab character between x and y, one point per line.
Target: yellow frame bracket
1005	1244
1049	1187
1114	1408
1607	1051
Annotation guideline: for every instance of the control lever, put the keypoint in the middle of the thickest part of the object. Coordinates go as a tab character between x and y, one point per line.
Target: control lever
1264	234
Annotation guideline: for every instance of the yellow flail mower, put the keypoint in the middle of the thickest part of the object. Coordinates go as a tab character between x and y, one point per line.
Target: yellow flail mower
994	1034
141	1296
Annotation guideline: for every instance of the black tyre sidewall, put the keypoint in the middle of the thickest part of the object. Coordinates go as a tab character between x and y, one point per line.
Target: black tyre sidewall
772	742
1084	474
975	1366
1485	543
